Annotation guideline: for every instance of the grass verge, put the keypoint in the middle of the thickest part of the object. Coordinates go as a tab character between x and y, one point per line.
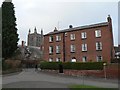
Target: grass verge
87	87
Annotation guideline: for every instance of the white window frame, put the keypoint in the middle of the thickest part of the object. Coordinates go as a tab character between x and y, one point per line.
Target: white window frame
50	38
50	59
65	34
50	49
84	47
99	58
83	35
97	33
58	38
72	48
58	59
58	49
72	36
98	45
84	59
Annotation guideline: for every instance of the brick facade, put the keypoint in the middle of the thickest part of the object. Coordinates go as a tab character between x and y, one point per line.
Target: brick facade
104	42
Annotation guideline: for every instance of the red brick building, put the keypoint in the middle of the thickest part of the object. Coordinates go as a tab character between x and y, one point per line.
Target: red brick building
80	44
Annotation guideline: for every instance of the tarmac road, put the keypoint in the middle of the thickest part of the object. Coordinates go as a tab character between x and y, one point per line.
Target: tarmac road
29	78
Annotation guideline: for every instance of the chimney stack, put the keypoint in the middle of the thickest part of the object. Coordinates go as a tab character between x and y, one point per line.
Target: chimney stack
70	26
109	19
23	43
55	29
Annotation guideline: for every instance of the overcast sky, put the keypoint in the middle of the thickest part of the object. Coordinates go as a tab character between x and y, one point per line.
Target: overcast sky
46	14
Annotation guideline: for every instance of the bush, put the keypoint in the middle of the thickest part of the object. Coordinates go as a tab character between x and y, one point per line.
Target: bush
11	64
6	66
72	65
50	65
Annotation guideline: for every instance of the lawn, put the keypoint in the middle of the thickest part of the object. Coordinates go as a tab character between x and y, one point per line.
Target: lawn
87	87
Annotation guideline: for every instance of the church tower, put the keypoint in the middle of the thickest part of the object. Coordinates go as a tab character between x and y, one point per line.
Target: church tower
35	39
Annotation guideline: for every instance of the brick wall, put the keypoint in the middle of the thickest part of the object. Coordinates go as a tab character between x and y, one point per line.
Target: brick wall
112	72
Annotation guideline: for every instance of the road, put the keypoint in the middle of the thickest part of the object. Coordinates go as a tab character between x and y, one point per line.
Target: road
29	78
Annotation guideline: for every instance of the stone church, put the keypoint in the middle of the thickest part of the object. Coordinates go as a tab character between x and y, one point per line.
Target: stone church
35	39
35	44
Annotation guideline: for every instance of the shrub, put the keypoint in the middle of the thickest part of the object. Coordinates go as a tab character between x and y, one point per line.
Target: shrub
72	65
11	64
83	66
50	65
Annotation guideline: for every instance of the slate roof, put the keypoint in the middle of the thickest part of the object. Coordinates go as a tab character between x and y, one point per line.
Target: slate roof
79	28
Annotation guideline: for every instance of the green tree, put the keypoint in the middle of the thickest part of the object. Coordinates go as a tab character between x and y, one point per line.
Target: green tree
9	30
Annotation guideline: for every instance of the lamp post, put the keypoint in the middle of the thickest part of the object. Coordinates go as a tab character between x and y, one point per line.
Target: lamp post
105	76
83	77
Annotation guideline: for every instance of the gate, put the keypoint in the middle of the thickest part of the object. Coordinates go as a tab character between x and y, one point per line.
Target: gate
29	63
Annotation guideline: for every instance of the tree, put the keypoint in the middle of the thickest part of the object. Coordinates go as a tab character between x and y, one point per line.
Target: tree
9	30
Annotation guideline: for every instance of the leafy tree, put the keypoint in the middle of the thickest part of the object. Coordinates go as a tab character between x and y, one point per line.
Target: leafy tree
9	30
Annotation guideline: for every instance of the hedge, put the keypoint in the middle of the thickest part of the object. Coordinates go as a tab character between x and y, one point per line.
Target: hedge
50	65
72	65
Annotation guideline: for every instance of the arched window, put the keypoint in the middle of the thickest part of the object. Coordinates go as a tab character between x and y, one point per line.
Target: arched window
73	59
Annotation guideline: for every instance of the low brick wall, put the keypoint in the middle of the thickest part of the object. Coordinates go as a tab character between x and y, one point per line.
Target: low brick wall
112	72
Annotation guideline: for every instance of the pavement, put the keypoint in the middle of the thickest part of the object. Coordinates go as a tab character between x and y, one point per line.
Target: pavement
29	78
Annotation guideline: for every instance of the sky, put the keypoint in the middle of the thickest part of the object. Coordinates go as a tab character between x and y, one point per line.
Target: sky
48	14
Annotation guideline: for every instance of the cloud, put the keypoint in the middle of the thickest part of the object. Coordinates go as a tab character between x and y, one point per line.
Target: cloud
47	13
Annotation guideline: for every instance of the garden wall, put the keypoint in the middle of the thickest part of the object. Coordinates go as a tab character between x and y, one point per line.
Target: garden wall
112	72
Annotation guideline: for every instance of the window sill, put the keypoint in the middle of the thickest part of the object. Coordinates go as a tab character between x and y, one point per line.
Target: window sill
72	52
84	51
51	42
98	37
99	50
58	41
50	53
84	38
72	39
58	53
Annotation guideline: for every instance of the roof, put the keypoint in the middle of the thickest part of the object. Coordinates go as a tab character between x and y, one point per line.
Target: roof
79	28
